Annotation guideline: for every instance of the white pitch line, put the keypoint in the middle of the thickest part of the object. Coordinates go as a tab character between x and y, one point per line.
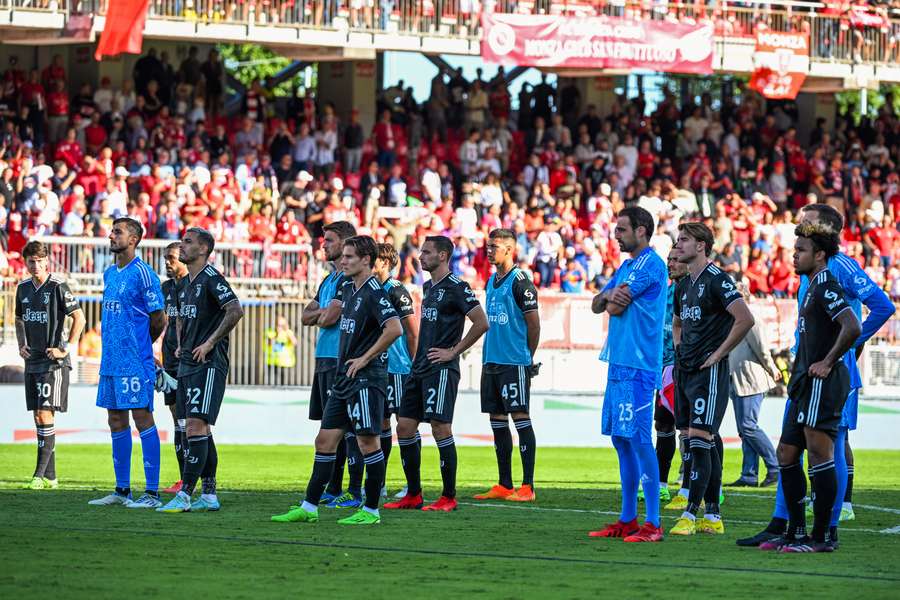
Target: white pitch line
894	511
891	530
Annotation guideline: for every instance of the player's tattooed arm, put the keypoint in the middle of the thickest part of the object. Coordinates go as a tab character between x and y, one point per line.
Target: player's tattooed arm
310	314
329	315
24	352
74	333
158	322
233	313
850	331
743	322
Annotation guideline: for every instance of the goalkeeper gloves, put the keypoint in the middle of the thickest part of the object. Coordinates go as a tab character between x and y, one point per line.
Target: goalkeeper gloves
165	383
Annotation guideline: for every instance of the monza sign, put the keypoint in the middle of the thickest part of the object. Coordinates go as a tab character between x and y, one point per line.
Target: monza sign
597	43
781	62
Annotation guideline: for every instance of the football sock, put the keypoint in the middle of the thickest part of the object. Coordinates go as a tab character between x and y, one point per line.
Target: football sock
375	464
665	451
711	497
121	453
355	466
151	453
841	475
411	458
387	442
336	481
781	507
527	449
630	476
647	459
323	465
503	449
180	443
198	450
686	462
46	443
777	526
208	476
825	487
447	450
794	481
848	495
701	465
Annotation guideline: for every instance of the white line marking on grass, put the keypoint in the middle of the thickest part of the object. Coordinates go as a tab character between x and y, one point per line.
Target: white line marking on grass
891	530
670	517
894	511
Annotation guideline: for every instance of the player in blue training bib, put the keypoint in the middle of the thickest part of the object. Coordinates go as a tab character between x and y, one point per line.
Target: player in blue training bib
509	347
133	317
635	299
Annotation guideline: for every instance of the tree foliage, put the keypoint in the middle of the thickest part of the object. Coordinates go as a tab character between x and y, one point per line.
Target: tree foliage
850	101
252	62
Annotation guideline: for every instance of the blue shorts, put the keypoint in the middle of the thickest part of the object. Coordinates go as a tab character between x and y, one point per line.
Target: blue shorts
121	392
850	411
628	404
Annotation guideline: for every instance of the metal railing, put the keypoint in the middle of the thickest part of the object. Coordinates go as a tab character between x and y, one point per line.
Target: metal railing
270	270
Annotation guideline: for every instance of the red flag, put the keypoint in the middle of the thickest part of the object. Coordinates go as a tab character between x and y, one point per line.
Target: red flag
124	28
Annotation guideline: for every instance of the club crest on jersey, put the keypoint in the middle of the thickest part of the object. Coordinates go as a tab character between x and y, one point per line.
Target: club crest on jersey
440	295
197	289
700	289
358	303
46	297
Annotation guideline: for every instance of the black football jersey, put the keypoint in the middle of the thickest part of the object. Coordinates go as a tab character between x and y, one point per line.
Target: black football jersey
364	312
817	328
170	340
702	305
201	308
444	308
43	310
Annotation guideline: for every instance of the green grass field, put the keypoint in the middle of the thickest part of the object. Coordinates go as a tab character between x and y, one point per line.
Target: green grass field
51	542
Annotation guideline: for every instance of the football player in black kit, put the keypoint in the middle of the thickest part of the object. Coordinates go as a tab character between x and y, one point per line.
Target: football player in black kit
43	302
175	271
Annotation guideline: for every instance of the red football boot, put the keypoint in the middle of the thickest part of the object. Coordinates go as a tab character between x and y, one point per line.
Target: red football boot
617	530
407	502
647	533
443	504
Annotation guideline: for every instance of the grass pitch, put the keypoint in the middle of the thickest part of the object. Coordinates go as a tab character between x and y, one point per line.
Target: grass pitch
53	543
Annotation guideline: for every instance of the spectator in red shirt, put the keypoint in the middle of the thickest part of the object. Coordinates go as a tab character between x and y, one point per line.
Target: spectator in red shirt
69	151
94	134
57	112
781	274
262	225
886	239
54	72
385	141
757	272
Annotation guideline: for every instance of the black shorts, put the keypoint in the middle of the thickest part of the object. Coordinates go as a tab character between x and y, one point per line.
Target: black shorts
430	396
48	390
318	395
701	397
663	418
200	395
505	389
171	398
817	404
394	396
356	405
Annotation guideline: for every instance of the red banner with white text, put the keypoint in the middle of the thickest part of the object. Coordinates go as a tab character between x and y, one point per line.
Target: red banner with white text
123	31
597	43
781	62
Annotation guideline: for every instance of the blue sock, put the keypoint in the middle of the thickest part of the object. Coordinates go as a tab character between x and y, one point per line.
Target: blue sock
840	471
121	450
151	452
646	455
630	474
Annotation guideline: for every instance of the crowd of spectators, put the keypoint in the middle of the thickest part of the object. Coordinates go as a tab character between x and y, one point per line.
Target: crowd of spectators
556	171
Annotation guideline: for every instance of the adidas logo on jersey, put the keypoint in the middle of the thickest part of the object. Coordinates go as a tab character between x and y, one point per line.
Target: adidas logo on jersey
697	421
26	301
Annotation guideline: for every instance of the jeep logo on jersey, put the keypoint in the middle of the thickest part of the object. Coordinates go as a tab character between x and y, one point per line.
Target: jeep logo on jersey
35	316
429	314
348	325
189	311
690	313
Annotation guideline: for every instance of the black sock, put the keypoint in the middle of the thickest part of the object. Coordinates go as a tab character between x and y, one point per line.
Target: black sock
720	447
686	461
411	457
198	450
527	449
180	444
46	444
447	450
793	481
711	497
336	481
825	486
355	465
777	526
387	442
848	496
503	449
665	451
700	471
375	464
208	476
323	466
